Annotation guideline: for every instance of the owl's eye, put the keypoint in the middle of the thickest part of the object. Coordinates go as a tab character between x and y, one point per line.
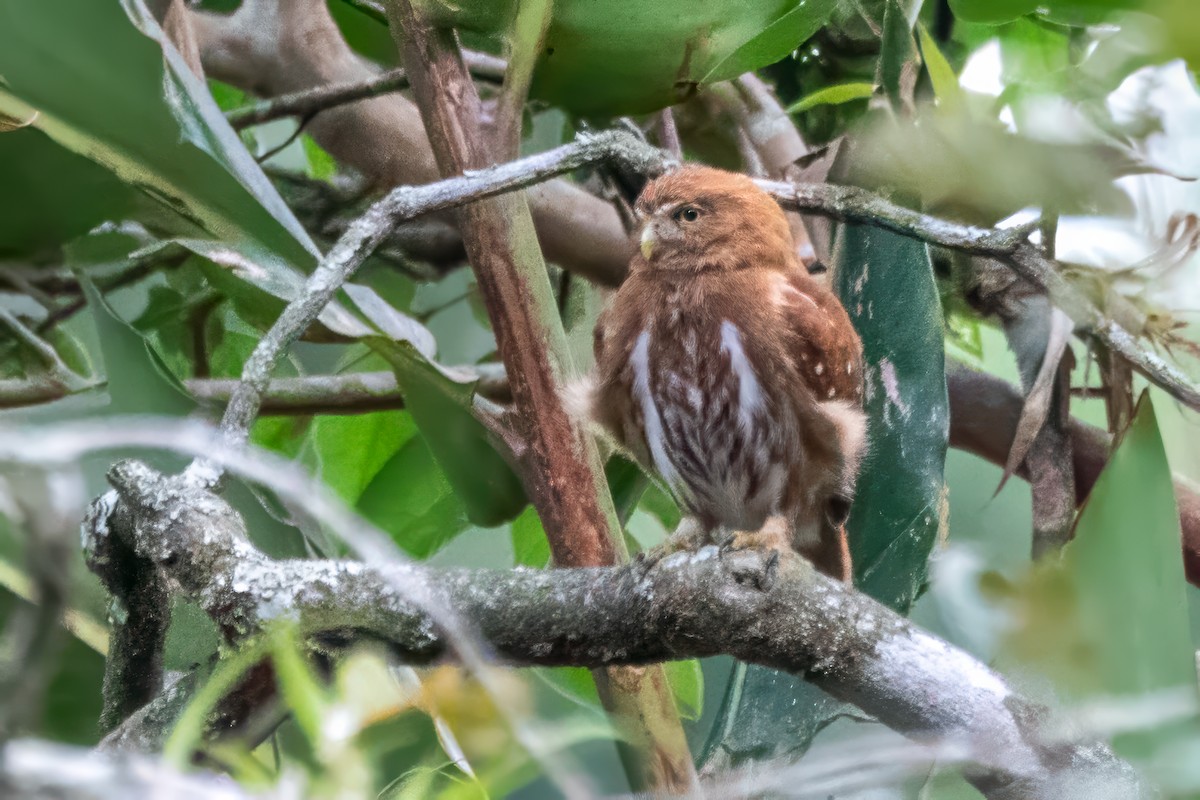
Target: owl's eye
687	214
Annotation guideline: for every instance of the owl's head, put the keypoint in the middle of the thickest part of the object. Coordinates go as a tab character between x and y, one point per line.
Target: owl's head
704	219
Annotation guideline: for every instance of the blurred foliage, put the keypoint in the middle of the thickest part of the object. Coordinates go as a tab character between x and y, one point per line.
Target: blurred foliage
165	248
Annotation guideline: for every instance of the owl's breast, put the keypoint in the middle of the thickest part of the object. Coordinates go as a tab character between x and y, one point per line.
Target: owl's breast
710	423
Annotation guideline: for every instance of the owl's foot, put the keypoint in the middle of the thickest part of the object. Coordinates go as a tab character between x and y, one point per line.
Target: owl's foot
773	535
688	536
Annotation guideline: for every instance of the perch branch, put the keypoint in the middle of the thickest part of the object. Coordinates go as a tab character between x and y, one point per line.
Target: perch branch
984	411
750	604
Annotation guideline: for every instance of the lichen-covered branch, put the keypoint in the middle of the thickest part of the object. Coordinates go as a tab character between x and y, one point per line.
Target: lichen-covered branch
1009	245
750	604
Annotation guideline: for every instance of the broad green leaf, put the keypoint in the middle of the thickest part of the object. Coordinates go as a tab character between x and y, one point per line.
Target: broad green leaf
775	41
977	171
367	34
442	406
138	381
50	195
118	97
410	498
627	483
659	502
529	543
1033	54
896	71
632	56
899	501
687	684
1120	590
320	164
833	95
351	450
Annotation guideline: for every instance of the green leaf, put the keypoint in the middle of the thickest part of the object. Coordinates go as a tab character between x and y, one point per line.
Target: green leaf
411	499
120	98
992	11
350	451
1125	567
627	483
687	684
320	164
633	56
775	41
442	407
37	211
833	95
896	70
659	502
941	74
899	500
530	546
138	381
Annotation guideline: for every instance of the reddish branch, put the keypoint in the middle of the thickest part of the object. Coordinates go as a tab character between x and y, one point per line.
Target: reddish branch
983	420
564	477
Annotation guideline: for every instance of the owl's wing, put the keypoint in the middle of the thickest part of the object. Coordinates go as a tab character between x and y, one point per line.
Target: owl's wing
824	343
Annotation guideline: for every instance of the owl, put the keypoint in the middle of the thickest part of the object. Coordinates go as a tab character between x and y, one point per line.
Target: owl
728	371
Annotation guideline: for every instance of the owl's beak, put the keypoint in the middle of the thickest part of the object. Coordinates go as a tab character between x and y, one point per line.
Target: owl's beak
648	240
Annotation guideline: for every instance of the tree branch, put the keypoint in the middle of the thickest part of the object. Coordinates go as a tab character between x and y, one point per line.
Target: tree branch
346	393
36	770
1009	245
308	102
366	233
271	48
984	411
750	604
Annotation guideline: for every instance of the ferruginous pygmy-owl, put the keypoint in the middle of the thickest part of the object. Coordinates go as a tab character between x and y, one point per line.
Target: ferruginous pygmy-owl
728	370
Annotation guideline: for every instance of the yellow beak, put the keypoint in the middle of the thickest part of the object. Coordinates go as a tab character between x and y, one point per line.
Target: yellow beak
647	241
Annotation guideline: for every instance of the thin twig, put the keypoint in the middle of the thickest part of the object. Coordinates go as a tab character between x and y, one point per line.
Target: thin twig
309	102
348	393
668	133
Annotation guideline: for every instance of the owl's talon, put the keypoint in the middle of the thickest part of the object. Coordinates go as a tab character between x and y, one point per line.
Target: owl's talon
770	571
749	567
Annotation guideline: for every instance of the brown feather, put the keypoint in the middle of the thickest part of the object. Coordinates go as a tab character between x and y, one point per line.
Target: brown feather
728	370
